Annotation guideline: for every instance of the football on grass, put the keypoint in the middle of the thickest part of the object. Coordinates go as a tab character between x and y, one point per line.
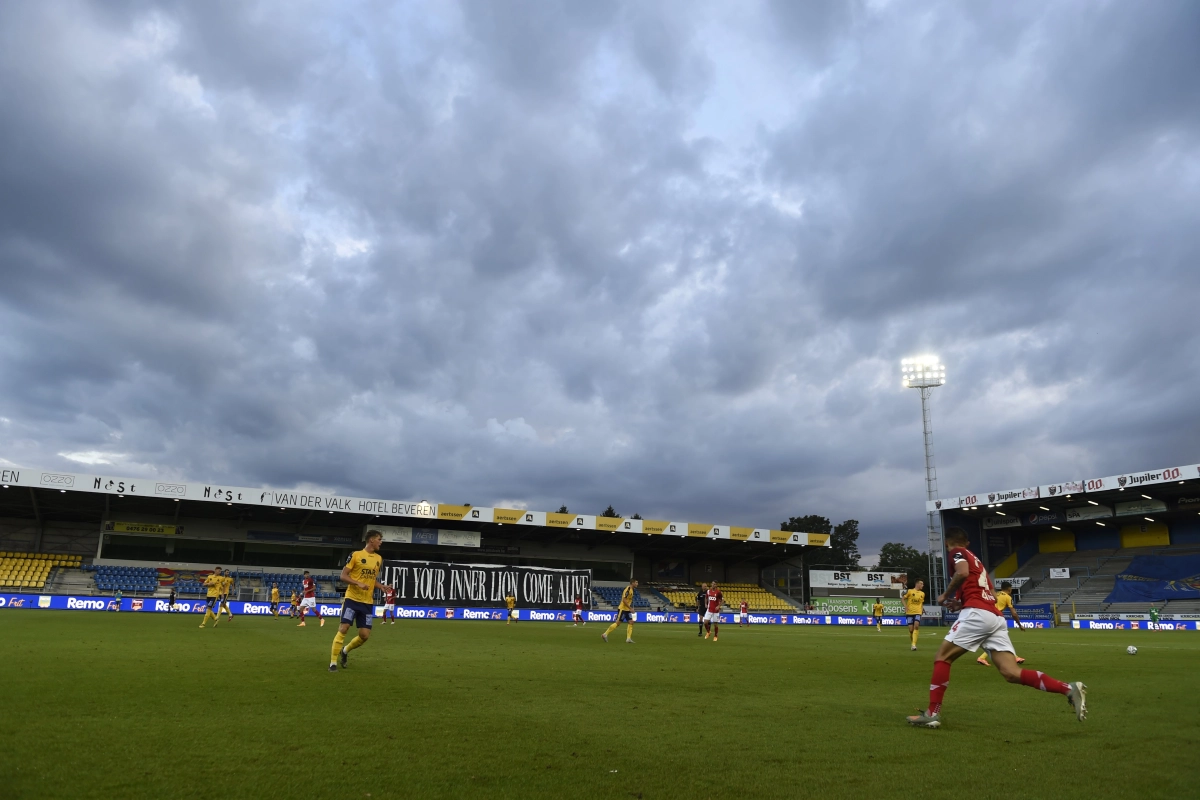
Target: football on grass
1131	650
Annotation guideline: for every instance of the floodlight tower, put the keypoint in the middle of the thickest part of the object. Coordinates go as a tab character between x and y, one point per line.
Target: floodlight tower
926	373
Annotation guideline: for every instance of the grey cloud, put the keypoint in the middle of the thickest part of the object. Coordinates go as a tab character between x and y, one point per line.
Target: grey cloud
478	253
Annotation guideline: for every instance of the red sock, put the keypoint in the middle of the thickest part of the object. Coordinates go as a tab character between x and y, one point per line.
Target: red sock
938	684
1040	680
302	613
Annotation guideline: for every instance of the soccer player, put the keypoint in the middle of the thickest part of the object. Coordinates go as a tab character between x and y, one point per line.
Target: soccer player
358	606
171	601
309	587
1003	601
578	615
701	601
625	613
877	613
979	623
212	606
295	609
389	602
914	605
712	617
511	603
275	600
115	605
744	617
226	588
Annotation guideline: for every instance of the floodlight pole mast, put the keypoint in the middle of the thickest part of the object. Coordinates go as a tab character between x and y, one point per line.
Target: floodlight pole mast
937	582
927	373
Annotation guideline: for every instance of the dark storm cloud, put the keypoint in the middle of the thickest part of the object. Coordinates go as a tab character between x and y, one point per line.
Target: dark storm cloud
660	255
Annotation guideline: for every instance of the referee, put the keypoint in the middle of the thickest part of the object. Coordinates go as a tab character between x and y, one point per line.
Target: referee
701	605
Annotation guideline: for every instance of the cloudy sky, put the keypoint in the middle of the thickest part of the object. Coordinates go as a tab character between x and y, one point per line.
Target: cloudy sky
661	255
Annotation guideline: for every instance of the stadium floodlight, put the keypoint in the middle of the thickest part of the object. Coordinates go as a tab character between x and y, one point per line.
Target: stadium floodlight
926	373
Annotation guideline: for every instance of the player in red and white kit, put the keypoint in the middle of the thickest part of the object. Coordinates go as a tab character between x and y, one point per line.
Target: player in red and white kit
744	616
578	616
308	602
980	624
712	613
389	602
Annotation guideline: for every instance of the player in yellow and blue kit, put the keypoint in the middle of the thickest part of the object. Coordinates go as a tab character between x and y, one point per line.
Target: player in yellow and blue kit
358	607
624	612
212	606
914	606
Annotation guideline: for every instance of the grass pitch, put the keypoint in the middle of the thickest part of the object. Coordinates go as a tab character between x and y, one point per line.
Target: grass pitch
147	705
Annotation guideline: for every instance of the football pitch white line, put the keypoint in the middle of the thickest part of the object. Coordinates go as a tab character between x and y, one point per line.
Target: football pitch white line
677	628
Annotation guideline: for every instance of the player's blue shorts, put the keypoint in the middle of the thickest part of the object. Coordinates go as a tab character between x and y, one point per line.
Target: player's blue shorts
213	604
357	614
914	619
624	616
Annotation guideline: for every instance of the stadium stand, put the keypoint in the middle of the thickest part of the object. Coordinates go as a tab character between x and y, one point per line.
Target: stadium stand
612	596
683	597
127	579
1093	574
20	570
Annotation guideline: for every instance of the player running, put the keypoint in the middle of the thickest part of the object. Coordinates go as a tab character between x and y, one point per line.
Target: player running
275	600
294	611
358	606
712	616
624	612
914	605
744	616
877	613
225	592
511	603
578	615
1003	601
212	605
979	623
309	587
389	602
701	602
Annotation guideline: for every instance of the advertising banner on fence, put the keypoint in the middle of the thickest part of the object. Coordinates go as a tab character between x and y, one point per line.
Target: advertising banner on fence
486	584
855	605
872	581
1132	625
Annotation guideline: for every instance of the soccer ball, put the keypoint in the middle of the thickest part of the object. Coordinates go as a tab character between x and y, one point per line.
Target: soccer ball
1131	650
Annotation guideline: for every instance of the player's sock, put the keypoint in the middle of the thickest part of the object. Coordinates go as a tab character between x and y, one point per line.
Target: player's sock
611	628
937	685
338	638
1040	680
356	642
628	630
915	634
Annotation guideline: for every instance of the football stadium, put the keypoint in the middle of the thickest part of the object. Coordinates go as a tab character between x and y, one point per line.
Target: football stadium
490	675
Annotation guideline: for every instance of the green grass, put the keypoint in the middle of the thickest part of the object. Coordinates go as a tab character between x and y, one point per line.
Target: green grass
147	705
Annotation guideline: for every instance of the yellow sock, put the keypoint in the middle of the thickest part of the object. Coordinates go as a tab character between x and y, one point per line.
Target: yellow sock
338	638
611	628
355	642
915	635
628	630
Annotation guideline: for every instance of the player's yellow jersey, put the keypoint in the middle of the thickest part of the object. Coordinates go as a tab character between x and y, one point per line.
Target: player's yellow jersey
295	599
228	586
1003	601
626	599
274	595
510	601
877	610
364	568
914	601
214	583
